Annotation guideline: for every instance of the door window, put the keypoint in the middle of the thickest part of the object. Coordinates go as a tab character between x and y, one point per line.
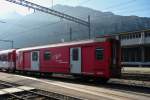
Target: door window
35	56
75	54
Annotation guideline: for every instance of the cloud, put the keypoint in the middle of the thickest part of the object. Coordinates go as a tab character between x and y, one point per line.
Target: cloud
6	8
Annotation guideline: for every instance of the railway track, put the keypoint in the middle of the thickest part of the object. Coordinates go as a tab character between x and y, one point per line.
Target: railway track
141	80
116	84
119	84
109	90
76	88
35	94
11	91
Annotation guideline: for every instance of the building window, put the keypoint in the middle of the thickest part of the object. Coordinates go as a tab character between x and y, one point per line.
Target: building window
131	36
134	36
99	53
147	54
137	35
75	53
147	34
123	37
128	37
47	55
34	56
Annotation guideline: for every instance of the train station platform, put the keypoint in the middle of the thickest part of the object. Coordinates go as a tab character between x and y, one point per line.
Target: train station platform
84	91
136	70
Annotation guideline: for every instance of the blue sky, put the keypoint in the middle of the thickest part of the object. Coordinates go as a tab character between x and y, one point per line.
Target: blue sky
120	7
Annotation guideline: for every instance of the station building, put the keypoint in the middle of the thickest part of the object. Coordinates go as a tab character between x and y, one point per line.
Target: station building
135	48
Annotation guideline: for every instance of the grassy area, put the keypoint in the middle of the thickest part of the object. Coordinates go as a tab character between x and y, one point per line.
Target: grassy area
136	70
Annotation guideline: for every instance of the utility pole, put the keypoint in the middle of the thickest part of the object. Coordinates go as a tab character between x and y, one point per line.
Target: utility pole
10	41
12	44
89	26
70	33
52	4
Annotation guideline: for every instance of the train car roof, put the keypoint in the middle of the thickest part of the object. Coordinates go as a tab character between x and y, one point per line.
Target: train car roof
6	51
63	44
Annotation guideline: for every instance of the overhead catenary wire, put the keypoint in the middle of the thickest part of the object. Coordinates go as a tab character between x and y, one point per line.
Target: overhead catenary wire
82	3
29	29
8	41
35	28
113	6
89	0
49	11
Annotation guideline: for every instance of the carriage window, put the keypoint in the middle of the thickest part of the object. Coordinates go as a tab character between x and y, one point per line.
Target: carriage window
47	55
34	56
75	54
3	58
99	53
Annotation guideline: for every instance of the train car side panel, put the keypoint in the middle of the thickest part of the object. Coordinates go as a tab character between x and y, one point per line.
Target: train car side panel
102	59
26	61
19	60
88	60
92	58
7	59
55	60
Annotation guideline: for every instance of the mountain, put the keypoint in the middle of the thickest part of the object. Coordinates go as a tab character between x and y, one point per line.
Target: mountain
39	28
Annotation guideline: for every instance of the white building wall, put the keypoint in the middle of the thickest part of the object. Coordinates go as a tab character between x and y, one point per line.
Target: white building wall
138	39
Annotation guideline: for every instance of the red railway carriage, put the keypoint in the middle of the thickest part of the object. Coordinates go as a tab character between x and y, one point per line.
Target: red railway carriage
8	59
97	58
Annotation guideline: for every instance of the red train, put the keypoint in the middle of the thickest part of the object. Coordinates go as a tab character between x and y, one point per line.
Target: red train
97	58
8	59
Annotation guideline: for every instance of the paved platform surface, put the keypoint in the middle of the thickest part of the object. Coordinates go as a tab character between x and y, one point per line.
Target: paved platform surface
72	89
136	70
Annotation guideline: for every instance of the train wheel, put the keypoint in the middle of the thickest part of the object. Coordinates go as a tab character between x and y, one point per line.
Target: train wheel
101	80
47	75
82	78
13	70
